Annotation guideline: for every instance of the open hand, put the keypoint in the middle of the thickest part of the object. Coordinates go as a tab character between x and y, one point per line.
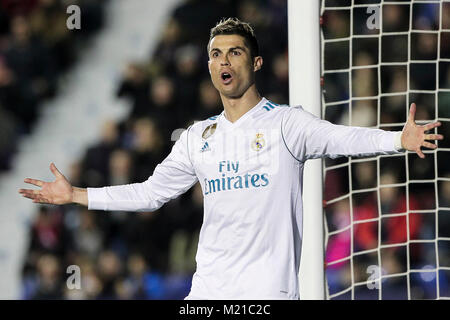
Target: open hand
414	136
57	192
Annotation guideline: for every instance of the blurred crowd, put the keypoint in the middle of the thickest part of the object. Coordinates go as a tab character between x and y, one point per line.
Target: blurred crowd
36	51
380	92
125	255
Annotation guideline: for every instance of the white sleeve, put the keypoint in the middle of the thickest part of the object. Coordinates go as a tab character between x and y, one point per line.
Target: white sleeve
172	177
307	137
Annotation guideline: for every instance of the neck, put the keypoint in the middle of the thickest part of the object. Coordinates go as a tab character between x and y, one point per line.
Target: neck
237	107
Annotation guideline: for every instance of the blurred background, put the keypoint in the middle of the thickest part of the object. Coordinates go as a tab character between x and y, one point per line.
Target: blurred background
51	79
388	212
103	102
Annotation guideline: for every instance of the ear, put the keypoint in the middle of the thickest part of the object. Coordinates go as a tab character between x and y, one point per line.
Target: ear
209	66
257	63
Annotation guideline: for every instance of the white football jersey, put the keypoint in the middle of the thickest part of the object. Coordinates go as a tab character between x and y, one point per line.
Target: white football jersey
251	175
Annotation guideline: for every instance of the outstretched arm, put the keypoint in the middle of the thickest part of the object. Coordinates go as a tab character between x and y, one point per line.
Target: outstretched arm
307	137
171	178
59	191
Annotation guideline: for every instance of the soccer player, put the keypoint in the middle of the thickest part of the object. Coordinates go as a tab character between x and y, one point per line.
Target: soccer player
249	161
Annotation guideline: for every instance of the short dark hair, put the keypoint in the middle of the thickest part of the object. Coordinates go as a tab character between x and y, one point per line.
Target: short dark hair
229	26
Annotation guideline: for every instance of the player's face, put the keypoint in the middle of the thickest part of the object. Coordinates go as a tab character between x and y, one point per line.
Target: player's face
231	65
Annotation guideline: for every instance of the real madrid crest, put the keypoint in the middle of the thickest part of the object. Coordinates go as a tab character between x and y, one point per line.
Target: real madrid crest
259	142
209	131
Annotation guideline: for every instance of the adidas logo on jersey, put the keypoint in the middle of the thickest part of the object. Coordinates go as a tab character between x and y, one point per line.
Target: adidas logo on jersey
205	147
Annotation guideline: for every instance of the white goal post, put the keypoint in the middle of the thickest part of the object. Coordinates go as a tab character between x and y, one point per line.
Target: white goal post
305	90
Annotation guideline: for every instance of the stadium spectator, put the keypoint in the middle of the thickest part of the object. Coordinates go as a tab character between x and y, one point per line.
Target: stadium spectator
95	162
87	237
33	68
49	278
135	86
164	108
146	149
209	100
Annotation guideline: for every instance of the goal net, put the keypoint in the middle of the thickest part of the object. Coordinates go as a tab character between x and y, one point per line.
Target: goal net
387	218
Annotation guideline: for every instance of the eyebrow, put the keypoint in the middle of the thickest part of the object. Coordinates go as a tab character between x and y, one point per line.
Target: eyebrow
231	49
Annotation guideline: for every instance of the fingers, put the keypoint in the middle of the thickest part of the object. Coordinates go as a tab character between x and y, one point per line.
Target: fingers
55	171
434	137
412	112
429	145
34	195
420	153
35	182
30	194
430	126
426	145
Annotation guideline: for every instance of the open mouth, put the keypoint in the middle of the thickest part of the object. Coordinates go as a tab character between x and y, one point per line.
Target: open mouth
226	77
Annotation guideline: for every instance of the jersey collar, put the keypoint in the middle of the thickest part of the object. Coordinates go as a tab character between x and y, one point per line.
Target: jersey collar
228	124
